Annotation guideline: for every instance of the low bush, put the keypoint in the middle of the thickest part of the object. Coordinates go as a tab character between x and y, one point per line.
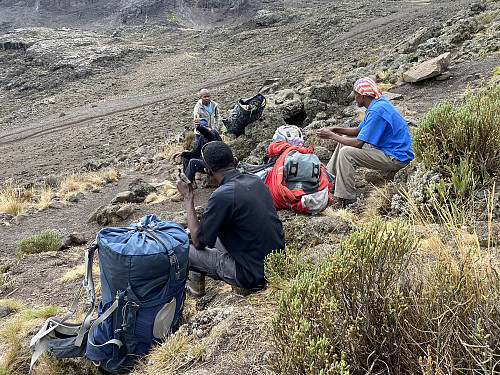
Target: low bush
462	139
283	266
45	241
383	304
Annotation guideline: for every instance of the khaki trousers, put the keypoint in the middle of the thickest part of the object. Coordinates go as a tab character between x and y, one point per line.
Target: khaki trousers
344	160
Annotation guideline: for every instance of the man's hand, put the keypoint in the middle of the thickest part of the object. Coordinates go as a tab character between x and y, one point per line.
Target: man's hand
176	155
184	186
196	121
324	133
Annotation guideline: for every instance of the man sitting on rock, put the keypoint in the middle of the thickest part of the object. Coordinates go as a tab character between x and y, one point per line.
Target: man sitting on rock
207	109
191	160
237	230
381	141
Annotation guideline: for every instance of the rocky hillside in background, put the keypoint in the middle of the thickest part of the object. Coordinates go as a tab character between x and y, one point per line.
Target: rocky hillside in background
117	83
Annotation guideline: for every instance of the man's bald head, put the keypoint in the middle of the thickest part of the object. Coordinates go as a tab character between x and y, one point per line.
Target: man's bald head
205	96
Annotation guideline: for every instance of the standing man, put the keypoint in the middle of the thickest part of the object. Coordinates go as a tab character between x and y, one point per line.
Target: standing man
207	109
237	230
381	141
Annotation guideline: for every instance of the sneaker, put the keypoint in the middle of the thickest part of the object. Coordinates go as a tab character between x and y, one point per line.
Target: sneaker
196	288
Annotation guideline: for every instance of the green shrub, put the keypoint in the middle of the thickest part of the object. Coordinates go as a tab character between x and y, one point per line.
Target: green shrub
380	306
39	243
283	266
463	134
342	315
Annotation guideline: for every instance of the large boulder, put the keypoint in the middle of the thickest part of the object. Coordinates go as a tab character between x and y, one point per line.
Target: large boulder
308	231
430	68
258	135
288	104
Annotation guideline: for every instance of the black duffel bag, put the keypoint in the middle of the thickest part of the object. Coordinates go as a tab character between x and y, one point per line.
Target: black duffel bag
244	112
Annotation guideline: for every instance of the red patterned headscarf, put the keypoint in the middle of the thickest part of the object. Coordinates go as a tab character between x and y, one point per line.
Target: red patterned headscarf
368	87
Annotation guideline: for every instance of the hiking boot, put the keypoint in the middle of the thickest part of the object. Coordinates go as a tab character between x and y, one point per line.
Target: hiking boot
241	291
347	202
196	288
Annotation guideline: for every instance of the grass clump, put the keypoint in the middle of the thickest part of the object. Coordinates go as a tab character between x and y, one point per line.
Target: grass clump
44	312
12	200
39	243
15	199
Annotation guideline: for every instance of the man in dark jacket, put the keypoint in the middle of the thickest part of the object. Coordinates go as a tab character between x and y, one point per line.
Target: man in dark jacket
192	161
238	228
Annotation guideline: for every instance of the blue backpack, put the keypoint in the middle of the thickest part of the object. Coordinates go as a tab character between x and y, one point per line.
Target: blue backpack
143	273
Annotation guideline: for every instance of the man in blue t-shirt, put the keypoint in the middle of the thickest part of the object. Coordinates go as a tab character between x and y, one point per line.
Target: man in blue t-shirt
381	141
238	228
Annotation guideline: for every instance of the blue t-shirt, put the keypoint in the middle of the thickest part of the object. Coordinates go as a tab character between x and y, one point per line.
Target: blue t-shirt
385	129
241	213
208	108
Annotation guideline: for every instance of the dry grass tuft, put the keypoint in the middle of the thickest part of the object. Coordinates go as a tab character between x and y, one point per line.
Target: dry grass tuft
12	199
172	146
15	199
13	333
77	272
242	337
375	204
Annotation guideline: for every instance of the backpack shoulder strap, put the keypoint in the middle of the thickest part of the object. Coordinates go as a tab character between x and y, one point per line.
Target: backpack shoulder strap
39	342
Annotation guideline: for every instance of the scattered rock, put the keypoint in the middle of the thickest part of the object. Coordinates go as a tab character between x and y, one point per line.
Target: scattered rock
76	197
140	189
19	218
125	211
58	204
104	215
6	217
124	197
65	241
5	311
308	231
392	96
78	238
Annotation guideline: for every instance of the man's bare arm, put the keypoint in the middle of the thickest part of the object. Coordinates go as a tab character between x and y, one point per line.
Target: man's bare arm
346	136
185	187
